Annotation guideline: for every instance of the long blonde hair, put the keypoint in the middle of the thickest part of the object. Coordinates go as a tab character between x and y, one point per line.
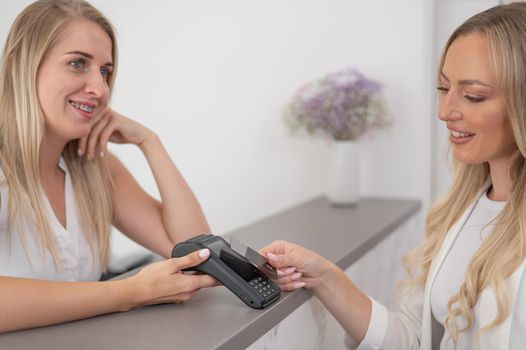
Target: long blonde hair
35	31
504	250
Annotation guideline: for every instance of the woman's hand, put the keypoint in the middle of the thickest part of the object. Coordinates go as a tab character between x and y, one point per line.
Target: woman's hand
297	267
112	127
164	282
300	267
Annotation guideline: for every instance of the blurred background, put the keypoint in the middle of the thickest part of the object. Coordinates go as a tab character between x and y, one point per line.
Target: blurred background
212	78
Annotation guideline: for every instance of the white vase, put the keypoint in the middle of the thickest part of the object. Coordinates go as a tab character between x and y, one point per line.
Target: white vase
343	182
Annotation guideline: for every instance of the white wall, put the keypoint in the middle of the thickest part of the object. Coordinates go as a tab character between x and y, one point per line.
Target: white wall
211	77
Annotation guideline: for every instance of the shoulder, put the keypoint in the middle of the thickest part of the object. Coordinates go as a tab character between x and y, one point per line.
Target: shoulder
120	175
115	166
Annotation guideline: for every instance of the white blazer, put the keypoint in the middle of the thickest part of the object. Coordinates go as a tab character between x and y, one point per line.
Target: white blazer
413	326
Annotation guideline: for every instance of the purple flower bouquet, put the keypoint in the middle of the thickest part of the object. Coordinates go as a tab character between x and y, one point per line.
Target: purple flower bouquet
342	105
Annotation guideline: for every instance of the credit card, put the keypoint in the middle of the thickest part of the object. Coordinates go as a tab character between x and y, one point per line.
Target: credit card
253	256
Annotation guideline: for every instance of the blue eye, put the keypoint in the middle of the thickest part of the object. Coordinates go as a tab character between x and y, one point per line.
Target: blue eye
105	72
77	64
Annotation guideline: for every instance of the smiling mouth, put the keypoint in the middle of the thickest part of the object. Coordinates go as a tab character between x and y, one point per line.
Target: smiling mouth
460	134
82	107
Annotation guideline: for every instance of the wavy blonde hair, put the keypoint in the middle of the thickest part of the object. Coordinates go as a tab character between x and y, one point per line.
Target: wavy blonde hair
504	250
35	31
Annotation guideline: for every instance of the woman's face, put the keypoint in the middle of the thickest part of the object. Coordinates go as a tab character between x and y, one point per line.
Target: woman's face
471	105
72	80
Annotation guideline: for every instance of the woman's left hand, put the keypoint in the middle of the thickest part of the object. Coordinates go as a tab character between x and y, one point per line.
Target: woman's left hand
111	127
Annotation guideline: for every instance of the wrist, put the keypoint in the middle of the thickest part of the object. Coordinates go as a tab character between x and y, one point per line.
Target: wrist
132	293
149	141
328	277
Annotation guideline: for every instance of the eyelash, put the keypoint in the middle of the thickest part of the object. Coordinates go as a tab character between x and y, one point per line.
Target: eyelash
443	90
79	60
474	99
105	72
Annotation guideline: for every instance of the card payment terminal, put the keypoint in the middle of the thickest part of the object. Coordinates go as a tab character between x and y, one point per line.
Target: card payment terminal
242	274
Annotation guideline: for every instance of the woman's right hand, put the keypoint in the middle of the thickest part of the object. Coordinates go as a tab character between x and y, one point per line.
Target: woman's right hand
165	282
297	266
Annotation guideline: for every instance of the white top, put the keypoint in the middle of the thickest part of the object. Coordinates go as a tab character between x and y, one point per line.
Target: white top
32	261
452	273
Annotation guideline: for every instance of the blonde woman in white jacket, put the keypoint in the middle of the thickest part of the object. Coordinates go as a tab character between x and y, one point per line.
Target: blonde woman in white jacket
466	285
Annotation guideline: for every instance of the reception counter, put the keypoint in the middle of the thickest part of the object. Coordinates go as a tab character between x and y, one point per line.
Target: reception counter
215	318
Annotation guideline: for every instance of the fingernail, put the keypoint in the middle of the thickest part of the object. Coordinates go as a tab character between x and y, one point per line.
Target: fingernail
296	276
102	154
204	253
289	270
286	271
79	151
299	285
272	257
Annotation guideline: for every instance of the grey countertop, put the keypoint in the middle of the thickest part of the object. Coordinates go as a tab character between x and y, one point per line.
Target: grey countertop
215	318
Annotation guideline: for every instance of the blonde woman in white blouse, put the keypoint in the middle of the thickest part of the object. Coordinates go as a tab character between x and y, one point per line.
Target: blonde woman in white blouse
466	287
60	188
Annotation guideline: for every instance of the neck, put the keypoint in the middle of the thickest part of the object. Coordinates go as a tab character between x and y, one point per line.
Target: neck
50	152
500	179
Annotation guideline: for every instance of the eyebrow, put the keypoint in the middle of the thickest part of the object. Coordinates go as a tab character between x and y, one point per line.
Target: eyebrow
87	55
467	81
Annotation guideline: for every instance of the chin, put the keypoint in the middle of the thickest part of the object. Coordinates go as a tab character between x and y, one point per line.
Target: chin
465	157
70	136
81	131
468	159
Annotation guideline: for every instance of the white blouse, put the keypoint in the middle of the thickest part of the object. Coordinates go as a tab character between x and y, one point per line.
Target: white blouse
26	258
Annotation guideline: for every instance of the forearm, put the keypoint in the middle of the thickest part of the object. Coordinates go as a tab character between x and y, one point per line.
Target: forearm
349	306
181	213
26	303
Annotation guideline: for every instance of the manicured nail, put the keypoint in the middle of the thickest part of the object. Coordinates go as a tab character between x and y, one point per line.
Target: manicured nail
272	257
286	271
204	253
299	285
289	270
296	276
